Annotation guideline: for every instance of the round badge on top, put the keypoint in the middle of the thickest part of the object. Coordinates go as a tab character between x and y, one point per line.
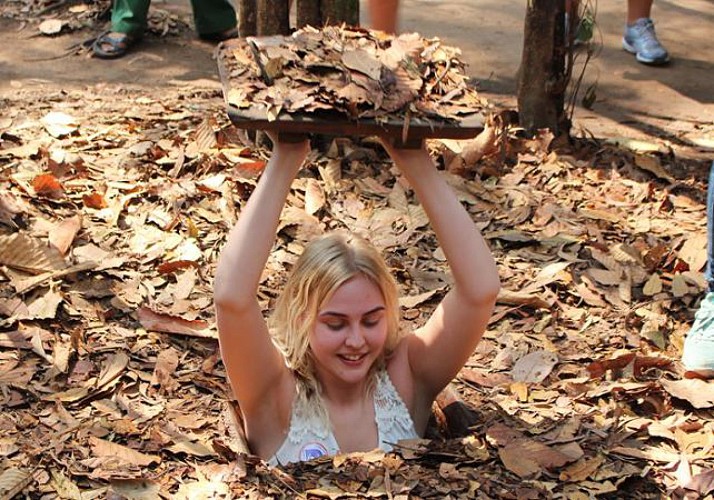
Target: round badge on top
311	451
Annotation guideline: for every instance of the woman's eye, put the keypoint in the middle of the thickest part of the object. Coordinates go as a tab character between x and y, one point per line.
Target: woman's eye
335	326
370	322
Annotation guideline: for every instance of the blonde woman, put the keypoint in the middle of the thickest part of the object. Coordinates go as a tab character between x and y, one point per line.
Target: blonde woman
332	372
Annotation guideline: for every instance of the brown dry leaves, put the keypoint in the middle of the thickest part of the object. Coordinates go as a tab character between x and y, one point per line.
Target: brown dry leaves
110	378
353	73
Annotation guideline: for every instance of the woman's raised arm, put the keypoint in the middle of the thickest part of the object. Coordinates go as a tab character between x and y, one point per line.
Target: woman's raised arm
253	364
439	349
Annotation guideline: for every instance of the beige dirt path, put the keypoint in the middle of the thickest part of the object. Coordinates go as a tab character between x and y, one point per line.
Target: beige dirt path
673	103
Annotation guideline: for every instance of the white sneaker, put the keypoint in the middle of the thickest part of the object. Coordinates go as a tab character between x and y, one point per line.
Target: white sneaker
640	39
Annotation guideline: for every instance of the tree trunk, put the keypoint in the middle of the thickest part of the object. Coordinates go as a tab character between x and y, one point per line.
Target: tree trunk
340	11
273	17
247	12
308	13
542	81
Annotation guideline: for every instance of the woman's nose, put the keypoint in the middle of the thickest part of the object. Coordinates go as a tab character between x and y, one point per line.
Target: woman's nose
355	338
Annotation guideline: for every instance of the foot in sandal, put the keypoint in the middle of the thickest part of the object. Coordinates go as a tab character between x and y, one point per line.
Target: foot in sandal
112	44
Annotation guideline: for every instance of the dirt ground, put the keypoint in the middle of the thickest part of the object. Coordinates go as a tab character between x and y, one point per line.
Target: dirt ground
673	103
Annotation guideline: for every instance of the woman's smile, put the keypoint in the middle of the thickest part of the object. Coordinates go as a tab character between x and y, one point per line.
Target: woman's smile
352	360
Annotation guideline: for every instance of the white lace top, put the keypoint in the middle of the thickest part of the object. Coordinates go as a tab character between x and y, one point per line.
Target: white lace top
310	437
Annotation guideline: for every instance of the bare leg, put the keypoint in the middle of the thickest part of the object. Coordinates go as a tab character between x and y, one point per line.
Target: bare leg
637	9
383	15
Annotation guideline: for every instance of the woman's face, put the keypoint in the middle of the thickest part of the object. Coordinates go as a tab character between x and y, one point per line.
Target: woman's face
350	332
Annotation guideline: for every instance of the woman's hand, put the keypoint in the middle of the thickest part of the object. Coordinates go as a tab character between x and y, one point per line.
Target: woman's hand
296	145
389	145
408	159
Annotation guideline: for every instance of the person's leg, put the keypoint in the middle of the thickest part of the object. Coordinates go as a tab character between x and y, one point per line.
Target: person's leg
637	9
383	15
214	19
640	38
128	24
129	16
698	354
709	270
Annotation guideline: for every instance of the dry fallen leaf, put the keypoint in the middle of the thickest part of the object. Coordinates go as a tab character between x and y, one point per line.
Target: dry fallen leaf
534	367
631	362
94	200
22	251
679	286
192	448
663	455
314	197
484	379
519	390
176	265
51	26
63	233
10	206
64	486
522	299
13	481
59	124
44	306
582	469
652	165
412	301
112	369
698	392
166	363
170	324
694	251
653	286
526	457
136	489
636	145
103	448
702	483
48	185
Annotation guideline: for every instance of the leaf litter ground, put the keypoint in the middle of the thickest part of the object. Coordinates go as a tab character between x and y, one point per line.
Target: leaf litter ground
114	204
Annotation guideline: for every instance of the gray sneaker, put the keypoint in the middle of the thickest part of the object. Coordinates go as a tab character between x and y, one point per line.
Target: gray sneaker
640	39
698	354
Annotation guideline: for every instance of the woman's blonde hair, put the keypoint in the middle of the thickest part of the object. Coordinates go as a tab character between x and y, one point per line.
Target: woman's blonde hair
325	264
